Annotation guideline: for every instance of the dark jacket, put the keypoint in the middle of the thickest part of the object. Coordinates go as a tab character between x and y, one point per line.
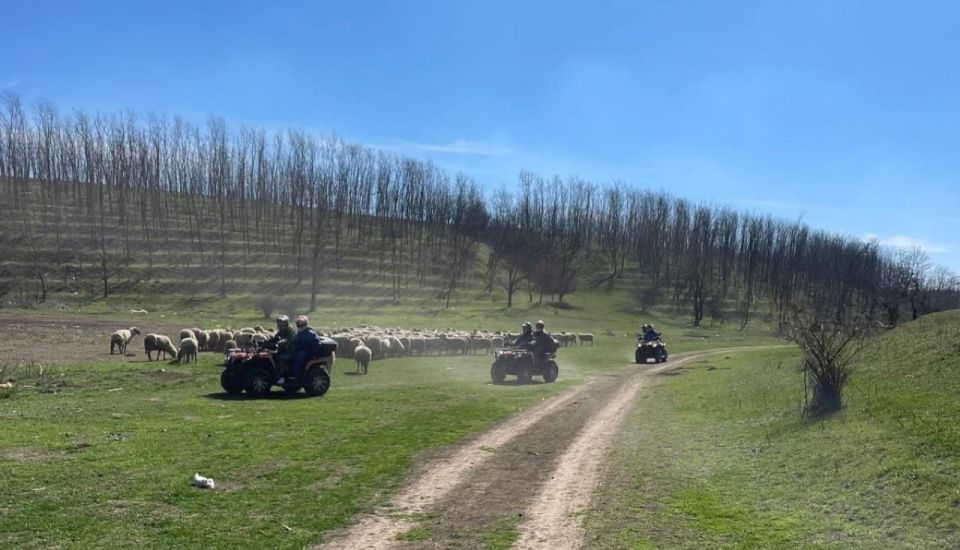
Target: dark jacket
307	340
543	342
651	336
287	334
524	341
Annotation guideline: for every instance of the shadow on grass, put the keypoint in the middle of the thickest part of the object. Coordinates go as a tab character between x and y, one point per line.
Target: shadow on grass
516	382
276	395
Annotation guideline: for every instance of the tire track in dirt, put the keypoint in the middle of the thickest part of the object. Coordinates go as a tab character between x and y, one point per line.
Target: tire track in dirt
555	523
538	468
438	477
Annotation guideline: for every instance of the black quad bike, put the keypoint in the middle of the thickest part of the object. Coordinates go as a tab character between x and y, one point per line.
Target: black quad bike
651	349
256	370
523	364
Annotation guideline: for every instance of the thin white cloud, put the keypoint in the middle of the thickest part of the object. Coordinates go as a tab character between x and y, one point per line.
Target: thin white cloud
456	147
10	83
904	242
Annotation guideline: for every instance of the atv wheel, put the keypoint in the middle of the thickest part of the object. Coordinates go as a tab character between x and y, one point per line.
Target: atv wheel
497	373
638	357
259	382
551	372
230	382
317	382
663	356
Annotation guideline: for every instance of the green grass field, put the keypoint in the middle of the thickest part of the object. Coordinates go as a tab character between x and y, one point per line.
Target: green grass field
102	454
721	456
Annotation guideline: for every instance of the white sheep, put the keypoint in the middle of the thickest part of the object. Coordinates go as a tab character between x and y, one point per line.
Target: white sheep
187	333
188	350
160	344
121	338
362	355
585	337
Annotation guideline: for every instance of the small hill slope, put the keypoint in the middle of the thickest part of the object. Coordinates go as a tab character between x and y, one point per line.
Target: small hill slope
719	455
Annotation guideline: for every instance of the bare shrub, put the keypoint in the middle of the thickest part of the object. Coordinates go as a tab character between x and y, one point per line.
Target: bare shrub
829	349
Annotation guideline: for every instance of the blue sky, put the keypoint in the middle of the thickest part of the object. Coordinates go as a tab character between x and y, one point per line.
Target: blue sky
843	114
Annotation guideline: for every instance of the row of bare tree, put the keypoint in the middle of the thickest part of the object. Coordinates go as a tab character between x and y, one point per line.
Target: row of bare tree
101	194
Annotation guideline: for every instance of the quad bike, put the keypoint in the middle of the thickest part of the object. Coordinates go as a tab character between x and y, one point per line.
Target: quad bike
651	349
523	364
257	369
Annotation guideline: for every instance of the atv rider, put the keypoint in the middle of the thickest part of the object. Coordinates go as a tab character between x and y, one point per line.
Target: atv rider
650	334
305	345
282	341
543	342
526	339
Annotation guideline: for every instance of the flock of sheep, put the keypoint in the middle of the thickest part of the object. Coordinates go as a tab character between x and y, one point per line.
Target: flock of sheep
363	344
191	341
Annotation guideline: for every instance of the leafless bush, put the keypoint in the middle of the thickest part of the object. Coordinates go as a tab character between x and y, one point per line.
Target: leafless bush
828	349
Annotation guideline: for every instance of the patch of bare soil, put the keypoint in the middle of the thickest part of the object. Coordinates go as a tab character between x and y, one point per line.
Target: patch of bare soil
57	339
537	469
26	454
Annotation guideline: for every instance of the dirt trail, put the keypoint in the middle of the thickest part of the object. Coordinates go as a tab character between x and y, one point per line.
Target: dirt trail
542	464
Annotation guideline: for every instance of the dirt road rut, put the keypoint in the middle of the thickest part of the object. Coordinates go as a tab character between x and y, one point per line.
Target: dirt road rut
535	472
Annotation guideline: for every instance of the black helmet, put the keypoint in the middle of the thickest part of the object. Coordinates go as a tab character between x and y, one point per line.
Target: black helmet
283	321
525	327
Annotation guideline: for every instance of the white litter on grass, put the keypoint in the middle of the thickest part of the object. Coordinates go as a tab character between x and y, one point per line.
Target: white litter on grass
6	386
203	482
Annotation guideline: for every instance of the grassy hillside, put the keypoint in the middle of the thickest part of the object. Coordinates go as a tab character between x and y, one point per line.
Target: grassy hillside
720	455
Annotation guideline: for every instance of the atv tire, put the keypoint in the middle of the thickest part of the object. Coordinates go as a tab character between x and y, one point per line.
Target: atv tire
316	382
551	372
258	383
663	356
497	373
638	357
230	382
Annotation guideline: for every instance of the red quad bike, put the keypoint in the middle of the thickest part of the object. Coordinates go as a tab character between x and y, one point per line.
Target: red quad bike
256	370
651	349
520	363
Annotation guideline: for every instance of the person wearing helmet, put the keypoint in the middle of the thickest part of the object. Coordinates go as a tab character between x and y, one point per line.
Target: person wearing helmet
650	334
284	333
525	340
543	342
305	345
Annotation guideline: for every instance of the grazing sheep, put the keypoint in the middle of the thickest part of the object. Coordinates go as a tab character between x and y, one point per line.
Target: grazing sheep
188	350
396	346
202	338
244	339
585	337
362	355
213	340
121	338
229	344
160	344
373	342
187	333
351	344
